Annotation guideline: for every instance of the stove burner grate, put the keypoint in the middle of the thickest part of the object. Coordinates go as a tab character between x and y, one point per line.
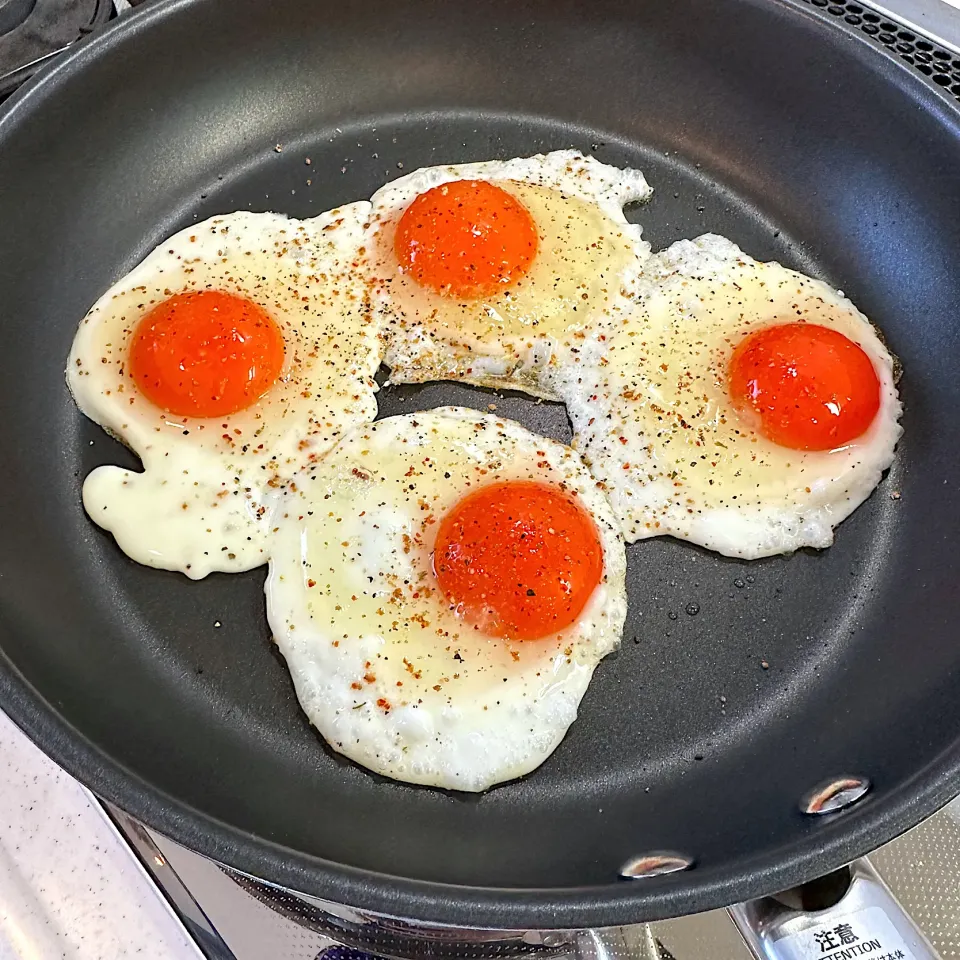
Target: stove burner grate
33	31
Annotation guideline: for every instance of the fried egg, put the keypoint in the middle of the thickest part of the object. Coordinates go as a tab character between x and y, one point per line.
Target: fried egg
238	350
491	271
742	406
442	586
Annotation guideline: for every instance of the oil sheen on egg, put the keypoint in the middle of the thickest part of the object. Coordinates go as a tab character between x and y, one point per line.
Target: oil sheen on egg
652	417
384	668
203	500
586	262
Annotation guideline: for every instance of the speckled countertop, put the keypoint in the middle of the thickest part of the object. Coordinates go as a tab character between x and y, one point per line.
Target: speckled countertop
69	886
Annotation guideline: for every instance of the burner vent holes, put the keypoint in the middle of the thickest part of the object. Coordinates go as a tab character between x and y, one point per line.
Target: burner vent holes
926	57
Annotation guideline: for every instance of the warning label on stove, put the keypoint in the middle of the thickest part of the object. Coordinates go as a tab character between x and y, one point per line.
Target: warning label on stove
866	933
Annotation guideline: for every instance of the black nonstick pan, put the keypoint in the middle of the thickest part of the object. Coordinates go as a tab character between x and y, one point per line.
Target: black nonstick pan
740	687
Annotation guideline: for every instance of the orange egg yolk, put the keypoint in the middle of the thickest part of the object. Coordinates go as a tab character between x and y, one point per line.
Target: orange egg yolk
206	354
812	387
518	559
468	238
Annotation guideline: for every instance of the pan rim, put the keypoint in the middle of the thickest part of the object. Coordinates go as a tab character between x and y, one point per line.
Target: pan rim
465	907
475	907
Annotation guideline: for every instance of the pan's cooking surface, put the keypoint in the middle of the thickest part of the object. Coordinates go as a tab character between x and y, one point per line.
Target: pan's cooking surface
738	687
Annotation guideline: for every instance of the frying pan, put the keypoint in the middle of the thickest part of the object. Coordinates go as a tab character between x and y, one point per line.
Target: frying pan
739	686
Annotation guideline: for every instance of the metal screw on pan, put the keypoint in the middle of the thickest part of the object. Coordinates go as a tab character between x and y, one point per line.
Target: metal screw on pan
834	795
655	865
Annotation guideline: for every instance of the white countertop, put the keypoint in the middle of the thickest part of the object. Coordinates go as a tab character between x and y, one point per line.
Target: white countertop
70	888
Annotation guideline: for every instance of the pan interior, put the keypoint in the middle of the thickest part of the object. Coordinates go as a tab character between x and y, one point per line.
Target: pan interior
738	685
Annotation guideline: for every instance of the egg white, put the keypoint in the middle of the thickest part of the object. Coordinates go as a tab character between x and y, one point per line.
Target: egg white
585	267
647	399
384	669
205	496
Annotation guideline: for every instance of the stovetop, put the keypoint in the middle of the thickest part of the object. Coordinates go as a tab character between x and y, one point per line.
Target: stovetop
922	868
80	880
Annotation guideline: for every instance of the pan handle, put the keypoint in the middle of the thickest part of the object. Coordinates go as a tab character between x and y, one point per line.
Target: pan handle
846	915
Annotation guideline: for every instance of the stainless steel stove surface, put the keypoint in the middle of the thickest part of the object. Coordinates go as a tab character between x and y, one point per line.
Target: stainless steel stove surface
247	921
144	895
